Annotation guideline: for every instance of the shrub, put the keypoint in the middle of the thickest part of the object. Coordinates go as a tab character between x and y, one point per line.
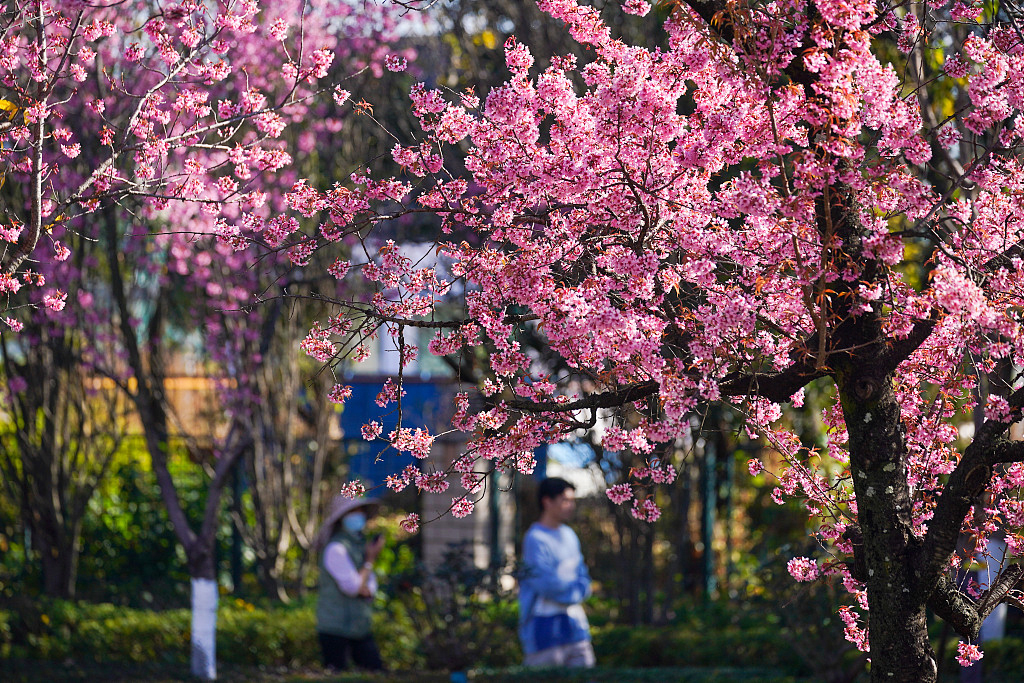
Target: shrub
684	645
246	634
461	616
278	637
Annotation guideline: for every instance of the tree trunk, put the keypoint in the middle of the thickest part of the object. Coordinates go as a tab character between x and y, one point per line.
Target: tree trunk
204	613
150	402
58	561
648	578
52	563
686	551
900	650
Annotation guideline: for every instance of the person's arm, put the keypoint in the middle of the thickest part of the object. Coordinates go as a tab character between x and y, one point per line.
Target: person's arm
368	579
583	576
339	565
541	573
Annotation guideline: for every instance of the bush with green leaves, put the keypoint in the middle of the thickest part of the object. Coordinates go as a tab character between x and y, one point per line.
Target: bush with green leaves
52	629
246	634
463	616
415	632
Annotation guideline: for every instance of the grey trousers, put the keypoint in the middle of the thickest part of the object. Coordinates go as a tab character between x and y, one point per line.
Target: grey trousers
573	655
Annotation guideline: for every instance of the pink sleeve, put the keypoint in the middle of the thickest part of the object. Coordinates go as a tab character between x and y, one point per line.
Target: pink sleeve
339	565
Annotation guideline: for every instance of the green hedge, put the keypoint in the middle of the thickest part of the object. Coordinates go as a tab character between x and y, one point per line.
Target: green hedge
1006	654
284	638
108	633
246	635
627	646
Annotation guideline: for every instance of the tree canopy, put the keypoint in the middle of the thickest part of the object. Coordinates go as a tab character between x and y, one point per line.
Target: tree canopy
786	193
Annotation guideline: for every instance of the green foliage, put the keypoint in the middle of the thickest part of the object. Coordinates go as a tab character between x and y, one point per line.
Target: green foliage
1003	659
129	553
462	615
246	634
54	629
66	672
757	644
689	644
106	632
1006	654
279	637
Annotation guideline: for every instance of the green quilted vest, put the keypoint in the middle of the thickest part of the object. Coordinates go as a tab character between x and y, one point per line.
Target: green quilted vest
337	613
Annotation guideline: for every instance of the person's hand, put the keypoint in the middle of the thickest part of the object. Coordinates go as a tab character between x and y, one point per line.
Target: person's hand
364	592
374	548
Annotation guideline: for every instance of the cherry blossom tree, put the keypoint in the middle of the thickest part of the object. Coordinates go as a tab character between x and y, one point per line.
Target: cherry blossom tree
145	128
773	200
58	440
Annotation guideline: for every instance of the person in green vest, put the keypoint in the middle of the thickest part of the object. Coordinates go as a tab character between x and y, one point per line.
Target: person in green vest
344	605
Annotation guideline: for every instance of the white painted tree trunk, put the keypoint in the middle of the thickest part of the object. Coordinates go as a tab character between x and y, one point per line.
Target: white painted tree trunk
204	629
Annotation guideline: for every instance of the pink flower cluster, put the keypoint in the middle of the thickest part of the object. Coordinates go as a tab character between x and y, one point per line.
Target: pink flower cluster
353	489
416	441
339	393
461	507
803	569
646	510
967	654
411	523
619	493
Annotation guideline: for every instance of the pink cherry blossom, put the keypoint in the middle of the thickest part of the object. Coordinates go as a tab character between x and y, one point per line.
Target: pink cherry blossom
462	507
619	493
396	63
968	654
55	300
411	523
353	489
803	569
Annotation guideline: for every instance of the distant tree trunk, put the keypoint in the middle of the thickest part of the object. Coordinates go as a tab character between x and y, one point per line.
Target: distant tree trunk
60	445
286	465
647	583
685	548
58	556
147	368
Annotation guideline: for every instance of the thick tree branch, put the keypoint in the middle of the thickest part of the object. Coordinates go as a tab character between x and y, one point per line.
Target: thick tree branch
964	614
1005	259
778	387
607	399
955	608
998	591
710	11
900	349
990	447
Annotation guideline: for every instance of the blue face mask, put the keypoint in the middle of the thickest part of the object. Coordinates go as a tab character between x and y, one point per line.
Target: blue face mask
354	522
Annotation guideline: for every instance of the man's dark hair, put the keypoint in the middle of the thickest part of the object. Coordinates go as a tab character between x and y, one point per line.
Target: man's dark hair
552	487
